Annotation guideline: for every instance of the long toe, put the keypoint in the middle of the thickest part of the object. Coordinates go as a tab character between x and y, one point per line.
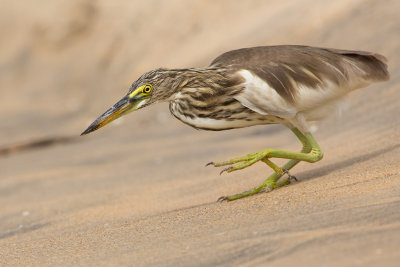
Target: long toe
233	161
229	169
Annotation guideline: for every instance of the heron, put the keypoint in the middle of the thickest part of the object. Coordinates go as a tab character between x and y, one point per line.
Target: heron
292	85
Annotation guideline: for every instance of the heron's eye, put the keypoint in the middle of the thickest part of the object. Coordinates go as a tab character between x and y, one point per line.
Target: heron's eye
147	89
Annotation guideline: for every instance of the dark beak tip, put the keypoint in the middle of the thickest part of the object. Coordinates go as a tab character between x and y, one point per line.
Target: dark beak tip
91	128
105	117
85	132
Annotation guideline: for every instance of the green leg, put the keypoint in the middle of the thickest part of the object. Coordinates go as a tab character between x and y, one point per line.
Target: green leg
311	152
273	166
306	149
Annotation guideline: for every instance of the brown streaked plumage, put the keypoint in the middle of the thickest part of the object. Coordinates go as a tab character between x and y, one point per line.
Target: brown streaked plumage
291	85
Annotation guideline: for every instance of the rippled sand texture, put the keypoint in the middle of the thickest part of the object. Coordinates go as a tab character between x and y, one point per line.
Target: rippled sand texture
137	192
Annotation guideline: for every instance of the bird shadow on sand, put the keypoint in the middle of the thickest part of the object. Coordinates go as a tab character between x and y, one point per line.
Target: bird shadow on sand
324	170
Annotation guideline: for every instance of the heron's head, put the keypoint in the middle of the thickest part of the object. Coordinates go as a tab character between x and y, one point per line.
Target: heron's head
151	87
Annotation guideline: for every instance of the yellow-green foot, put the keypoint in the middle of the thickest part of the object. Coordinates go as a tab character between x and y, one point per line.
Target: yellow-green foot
249	160
246	161
311	152
270	184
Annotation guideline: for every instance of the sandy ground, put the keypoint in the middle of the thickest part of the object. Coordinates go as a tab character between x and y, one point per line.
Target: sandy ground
137	192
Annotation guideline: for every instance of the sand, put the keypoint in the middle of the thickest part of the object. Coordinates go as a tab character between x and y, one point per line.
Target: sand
137	192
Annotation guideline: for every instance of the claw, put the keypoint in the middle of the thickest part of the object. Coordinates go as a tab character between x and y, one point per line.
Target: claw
221	199
210	163
226	170
291	177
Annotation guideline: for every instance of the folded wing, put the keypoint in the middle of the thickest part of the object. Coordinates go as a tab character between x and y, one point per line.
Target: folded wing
285	80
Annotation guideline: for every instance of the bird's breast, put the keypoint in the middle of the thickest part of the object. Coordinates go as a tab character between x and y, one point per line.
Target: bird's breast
218	117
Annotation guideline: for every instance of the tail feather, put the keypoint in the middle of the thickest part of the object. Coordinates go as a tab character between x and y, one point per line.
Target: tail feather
370	66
